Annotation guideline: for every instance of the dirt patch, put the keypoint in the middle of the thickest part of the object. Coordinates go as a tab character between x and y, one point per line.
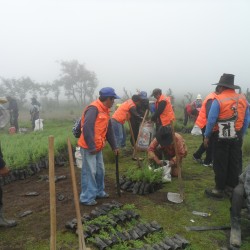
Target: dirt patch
37	224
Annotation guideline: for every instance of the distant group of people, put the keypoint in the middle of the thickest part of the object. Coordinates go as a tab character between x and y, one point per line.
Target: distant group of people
14	112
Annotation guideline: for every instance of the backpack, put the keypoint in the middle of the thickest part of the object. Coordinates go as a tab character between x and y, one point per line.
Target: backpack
76	130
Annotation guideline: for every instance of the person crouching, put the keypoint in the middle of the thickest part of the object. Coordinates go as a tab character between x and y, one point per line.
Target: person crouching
161	151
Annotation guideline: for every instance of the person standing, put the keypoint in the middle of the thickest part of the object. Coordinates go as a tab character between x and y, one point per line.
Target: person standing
141	109
201	122
123	113
4	171
34	111
164	114
229	115
191	110
96	129
13	109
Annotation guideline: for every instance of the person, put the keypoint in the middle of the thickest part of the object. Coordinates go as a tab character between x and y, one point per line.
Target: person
4	171
240	198
141	108
164	114
34	111
96	128
144	103
229	115
161	151
13	109
191	110
124	112
201	122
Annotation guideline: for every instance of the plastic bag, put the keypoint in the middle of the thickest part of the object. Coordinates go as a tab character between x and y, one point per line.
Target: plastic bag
78	157
196	130
147	133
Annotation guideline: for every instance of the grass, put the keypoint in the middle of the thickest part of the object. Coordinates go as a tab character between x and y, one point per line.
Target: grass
173	217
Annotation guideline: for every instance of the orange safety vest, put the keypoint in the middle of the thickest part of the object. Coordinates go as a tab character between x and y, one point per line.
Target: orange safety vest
201	120
101	126
227	100
122	113
168	114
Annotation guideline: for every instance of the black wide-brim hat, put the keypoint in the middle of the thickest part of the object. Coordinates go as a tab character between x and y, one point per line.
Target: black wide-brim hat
227	80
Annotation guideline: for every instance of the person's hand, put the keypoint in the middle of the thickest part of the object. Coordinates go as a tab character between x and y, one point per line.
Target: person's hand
159	162
206	141
116	151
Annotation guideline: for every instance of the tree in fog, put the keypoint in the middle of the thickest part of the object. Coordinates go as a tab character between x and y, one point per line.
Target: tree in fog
189	97
18	88
171	95
78	82
55	89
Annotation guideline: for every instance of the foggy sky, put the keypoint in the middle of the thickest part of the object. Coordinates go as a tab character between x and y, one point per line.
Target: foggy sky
185	45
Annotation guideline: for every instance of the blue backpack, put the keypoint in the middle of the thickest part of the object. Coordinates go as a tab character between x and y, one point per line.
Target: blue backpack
76	130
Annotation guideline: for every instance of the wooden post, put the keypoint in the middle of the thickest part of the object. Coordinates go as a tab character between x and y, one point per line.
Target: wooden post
82	245
178	163
52	194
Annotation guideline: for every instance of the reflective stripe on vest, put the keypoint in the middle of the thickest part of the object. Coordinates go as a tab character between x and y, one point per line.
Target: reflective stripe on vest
101	126
122	113
168	114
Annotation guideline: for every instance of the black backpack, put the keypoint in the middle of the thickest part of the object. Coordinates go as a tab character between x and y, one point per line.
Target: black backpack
76	130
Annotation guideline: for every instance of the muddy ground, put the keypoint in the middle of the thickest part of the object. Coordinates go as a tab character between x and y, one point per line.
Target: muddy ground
37	225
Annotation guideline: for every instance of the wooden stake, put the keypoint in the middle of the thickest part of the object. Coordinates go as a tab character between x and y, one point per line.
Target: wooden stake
178	163
82	245
52	194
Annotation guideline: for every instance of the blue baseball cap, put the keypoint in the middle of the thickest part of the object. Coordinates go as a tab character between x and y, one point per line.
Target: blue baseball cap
143	95
108	92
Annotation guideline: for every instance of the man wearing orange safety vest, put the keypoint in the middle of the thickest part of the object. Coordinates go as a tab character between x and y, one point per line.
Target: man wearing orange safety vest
164	114
121	115
96	128
201	122
229	115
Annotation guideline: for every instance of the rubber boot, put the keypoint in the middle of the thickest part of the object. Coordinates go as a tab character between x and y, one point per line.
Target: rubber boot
235	235
4	222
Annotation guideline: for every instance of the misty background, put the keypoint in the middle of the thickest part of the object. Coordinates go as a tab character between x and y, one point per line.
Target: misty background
133	44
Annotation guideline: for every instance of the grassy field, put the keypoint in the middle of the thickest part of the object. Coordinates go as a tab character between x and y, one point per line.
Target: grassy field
173	217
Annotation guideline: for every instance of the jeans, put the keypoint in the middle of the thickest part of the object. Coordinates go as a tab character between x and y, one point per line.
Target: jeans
92	177
209	150
119	132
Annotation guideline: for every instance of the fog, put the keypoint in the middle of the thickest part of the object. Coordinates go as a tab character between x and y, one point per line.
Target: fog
136	44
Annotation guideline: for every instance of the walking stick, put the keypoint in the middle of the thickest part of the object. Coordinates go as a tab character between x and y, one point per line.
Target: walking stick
131	132
82	245
52	194
178	163
134	156
117	175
